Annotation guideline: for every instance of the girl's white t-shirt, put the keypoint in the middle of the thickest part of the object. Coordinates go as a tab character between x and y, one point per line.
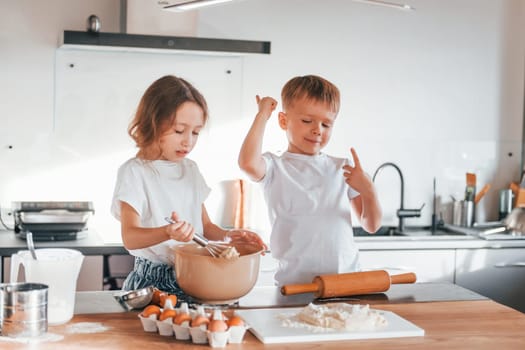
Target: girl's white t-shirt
310	215
155	189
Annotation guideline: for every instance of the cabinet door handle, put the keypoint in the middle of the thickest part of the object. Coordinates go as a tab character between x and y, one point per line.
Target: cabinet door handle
514	264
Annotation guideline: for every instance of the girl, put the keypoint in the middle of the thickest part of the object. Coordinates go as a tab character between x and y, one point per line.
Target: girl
160	181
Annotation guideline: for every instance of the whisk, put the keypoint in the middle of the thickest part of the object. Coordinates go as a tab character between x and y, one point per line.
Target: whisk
215	248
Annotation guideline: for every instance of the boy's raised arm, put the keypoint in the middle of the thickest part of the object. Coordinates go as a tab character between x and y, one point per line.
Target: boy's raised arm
250	157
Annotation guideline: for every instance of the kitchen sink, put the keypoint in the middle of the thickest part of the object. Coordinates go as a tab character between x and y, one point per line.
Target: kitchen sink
383	231
411	232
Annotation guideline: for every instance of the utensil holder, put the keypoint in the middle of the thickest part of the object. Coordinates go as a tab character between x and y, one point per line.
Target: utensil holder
506	200
463	213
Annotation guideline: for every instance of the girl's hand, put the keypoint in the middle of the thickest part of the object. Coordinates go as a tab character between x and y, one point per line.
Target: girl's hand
244	236
178	230
266	105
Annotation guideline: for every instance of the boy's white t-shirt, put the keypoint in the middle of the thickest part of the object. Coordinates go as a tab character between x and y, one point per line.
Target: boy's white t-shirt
310	215
155	189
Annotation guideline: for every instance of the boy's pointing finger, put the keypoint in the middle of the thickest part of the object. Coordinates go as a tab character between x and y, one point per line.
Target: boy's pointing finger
357	163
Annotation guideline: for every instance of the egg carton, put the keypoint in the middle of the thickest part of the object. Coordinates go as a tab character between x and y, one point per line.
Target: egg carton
197	335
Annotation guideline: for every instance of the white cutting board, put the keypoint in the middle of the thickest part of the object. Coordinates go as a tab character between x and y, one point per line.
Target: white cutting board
266	326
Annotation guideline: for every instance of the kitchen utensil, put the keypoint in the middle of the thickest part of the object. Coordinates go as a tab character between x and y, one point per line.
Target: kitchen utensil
93	24
515	221
216	281
30	244
433	223
135	299
481	193
470	189
506	203
463	213
58	268
215	248
23	309
346	284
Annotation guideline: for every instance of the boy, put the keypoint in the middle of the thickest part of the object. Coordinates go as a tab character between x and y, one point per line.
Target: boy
309	194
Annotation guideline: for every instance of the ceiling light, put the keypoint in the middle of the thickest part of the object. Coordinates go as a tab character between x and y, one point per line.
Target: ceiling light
192	4
388	4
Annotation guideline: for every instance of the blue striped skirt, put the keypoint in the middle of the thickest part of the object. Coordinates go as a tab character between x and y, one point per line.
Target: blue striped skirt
147	273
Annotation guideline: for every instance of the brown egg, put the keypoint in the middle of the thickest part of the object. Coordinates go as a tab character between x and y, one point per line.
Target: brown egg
217	326
162	298
155	300
235	321
151	310
167	313
171	297
217	315
200	320
181	318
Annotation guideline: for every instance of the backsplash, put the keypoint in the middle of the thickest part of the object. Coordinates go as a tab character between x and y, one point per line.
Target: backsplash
437	100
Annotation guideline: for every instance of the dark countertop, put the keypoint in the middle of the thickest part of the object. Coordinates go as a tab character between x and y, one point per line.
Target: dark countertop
266	297
263	297
89	243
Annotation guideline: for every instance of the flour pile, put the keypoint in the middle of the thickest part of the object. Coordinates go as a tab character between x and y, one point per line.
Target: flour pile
335	316
229	253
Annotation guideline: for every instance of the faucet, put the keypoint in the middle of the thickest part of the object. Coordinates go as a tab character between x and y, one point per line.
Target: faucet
401	213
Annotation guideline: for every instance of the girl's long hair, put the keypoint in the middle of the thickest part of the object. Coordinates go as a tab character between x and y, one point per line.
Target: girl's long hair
157	109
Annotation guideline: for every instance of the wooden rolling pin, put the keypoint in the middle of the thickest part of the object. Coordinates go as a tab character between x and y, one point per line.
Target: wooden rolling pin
352	283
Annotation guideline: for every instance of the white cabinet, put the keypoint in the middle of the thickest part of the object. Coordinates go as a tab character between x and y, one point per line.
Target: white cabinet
428	265
498	274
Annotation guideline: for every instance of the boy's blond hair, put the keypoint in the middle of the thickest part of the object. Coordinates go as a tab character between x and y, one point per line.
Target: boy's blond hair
310	87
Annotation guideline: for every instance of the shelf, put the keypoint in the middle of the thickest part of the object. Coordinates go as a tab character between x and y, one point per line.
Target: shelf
119	41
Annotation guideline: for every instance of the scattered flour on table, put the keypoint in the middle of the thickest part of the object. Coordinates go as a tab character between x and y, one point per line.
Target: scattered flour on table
335	316
46	337
86	327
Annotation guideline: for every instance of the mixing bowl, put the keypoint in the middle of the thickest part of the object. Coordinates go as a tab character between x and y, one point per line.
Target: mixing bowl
215	280
135	299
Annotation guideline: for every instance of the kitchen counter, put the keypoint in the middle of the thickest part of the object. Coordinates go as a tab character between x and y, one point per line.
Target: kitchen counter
93	244
474	322
265	297
270	297
90	243
424	240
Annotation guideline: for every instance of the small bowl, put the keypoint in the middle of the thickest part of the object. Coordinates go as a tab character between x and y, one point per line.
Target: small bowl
136	299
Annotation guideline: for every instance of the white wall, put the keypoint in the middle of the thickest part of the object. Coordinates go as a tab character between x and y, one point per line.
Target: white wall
438	91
